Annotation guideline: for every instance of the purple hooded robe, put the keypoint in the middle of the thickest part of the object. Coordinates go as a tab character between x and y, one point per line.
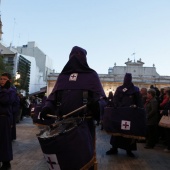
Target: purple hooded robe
75	78
77	75
125	96
7	98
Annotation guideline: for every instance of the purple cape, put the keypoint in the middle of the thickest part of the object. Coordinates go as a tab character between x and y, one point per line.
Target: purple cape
85	81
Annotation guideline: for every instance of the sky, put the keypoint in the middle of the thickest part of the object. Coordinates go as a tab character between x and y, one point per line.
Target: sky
110	30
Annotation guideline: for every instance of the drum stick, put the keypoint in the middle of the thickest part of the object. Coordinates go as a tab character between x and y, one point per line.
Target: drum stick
52	116
64	116
80	108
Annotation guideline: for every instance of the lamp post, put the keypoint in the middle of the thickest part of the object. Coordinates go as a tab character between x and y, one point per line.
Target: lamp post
17	76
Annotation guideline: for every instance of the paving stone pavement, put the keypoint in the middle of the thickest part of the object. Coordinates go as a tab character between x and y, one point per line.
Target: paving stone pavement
28	154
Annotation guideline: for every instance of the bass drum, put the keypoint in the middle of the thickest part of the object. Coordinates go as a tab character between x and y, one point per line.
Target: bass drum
125	121
67	145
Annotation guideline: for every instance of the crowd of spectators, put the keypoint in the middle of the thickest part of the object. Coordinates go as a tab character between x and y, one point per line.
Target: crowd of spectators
27	106
156	102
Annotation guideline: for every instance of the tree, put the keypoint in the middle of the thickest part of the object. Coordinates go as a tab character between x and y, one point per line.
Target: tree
2	65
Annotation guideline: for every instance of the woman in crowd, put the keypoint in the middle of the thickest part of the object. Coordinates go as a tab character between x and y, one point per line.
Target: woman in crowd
151	107
166	111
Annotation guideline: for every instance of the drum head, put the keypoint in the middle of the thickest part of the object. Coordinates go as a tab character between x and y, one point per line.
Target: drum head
60	127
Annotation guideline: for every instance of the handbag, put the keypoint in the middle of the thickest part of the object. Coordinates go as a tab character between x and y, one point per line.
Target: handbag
165	121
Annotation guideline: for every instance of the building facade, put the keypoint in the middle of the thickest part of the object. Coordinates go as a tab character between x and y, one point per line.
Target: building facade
141	77
31	79
44	63
16	63
29	62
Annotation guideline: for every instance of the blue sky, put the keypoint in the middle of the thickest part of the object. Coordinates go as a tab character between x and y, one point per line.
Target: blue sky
110	30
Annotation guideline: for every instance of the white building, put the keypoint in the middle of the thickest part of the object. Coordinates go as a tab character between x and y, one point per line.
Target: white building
36	77
141	77
43	62
16	63
33	75
33	64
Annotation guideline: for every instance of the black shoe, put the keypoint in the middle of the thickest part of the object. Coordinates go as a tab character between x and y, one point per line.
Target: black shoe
141	141
112	151
148	147
5	166
130	154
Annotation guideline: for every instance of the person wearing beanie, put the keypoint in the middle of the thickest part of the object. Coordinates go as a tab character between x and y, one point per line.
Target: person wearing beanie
126	95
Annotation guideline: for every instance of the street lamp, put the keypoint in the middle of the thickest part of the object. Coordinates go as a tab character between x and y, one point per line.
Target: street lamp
17	76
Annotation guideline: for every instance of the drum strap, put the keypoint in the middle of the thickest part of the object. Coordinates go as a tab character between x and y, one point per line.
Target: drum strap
85	97
59	97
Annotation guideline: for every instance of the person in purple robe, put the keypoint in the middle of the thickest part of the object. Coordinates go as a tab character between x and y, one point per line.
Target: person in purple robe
126	95
15	109
77	85
7	98
74	81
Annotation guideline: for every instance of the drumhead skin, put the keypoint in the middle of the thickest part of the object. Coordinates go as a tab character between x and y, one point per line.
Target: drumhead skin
60	127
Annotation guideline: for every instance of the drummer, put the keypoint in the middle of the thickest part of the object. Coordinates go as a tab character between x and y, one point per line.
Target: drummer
77	85
125	95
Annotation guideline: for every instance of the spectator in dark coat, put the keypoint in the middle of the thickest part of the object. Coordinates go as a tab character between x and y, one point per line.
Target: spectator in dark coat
15	111
151	107
143	92
7	98
20	107
165	99
166	111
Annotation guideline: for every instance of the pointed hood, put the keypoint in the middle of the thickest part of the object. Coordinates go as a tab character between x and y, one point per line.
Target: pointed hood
77	61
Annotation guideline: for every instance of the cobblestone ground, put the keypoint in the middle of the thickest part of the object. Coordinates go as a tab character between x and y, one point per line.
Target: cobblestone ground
28	154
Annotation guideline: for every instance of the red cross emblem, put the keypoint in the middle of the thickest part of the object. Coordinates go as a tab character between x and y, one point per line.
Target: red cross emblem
125	125
52	161
73	77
